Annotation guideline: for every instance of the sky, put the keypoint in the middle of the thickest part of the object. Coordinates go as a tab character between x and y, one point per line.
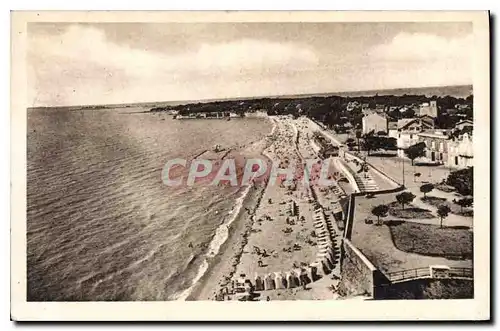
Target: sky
107	63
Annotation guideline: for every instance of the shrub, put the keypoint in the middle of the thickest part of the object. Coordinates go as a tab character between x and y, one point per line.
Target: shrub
405	198
380	211
464	202
426	188
415	151
462	180
443	212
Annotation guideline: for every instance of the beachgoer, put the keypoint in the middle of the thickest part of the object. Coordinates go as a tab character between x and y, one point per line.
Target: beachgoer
268	298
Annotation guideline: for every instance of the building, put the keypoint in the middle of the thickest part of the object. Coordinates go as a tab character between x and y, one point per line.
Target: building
461	152
392	128
404	140
324	147
352	105
374	122
407	129
436	146
429	109
416	124
452	152
465	123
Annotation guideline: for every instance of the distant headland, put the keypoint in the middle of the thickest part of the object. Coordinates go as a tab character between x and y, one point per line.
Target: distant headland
457	91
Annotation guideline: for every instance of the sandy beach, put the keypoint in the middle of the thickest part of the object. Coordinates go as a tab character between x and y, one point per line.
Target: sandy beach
281	229
222	265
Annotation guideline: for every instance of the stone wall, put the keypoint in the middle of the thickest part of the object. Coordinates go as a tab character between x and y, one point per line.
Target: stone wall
357	272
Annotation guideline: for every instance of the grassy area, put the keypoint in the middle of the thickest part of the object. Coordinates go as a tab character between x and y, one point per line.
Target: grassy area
409	212
431	289
445	188
455	209
434	201
431	240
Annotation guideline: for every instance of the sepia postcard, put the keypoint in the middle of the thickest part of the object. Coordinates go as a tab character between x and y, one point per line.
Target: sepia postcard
250	166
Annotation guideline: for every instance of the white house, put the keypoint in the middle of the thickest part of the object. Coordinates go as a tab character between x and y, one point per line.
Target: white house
407	131
465	123
428	109
374	122
461	152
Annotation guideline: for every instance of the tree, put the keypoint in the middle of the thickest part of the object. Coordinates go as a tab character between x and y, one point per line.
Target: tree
462	180
464	202
388	143
358	136
370	142
426	188
405	198
380	211
415	151
443	212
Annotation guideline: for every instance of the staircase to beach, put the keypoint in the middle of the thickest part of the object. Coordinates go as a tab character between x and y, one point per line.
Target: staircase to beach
366	184
364	180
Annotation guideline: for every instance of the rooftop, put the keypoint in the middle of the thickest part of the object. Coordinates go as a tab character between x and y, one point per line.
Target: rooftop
435	134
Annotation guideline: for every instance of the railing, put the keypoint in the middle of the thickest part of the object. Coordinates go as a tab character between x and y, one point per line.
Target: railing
461	272
397	276
348	173
454	272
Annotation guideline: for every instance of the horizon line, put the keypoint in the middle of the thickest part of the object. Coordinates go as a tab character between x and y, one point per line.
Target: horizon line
207	100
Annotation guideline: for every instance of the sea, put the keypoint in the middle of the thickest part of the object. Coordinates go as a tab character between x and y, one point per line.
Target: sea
101	224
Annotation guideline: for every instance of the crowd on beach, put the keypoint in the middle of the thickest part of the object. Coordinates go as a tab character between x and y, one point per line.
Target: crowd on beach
274	259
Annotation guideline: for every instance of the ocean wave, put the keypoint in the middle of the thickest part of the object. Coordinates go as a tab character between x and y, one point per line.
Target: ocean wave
219	238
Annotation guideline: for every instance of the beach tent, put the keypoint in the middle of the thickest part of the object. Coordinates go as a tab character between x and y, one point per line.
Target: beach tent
317	270
293	279
326	249
312	272
269	283
305	276
327	259
259	283
280	280
323	241
326	267
322	233
322	229
319	226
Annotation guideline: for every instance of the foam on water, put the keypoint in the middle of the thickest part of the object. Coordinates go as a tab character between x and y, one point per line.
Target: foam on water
220	237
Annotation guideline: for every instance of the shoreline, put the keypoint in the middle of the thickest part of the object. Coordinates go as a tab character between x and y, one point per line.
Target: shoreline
222	264
219	238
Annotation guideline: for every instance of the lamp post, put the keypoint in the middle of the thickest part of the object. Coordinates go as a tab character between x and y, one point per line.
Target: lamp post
364	166
403	161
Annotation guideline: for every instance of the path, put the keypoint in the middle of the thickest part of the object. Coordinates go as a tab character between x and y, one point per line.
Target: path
393	167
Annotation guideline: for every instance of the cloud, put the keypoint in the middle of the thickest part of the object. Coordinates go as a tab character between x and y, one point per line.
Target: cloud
424	47
82	66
